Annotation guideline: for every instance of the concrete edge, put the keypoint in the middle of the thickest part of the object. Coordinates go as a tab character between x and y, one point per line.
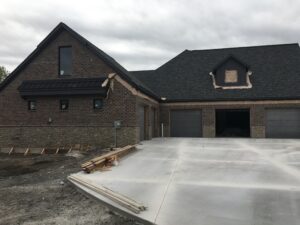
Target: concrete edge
111	207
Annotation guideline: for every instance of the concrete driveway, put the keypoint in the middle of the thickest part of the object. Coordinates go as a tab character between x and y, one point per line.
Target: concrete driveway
210	181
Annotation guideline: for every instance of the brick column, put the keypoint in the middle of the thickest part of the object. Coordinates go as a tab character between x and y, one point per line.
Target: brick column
147	122
257	122
208	122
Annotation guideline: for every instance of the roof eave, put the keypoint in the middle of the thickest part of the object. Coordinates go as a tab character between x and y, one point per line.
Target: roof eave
227	99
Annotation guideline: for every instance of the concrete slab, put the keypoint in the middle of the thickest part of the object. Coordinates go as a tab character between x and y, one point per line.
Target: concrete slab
209	181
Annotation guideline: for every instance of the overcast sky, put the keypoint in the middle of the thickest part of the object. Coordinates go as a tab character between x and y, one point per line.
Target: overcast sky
144	34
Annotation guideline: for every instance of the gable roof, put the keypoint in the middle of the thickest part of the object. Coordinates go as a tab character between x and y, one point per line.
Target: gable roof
59	87
230	57
276	74
121	71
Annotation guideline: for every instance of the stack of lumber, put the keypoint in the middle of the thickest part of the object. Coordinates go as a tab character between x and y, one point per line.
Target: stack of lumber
118	198
106	158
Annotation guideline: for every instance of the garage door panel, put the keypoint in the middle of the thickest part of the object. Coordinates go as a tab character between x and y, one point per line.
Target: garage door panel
290	123
283	123
186	123
287	114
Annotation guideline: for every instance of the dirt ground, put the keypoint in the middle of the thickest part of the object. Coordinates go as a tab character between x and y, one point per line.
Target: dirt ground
34	190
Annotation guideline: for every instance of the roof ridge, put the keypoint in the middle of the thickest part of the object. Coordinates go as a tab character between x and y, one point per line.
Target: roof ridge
253	46
176	56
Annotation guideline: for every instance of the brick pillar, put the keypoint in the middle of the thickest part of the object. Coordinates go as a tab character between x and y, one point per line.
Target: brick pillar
257	122
208	122
147	122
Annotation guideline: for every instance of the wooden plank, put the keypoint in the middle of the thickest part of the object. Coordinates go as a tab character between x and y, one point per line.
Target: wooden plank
70	150
11	150
99	161
27	151
124	201
88	168
77	147
112	153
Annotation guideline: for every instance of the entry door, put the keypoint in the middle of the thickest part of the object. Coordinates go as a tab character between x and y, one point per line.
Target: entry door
186	123
141	115
283	123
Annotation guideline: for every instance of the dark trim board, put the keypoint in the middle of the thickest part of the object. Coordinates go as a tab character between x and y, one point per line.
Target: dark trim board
61	87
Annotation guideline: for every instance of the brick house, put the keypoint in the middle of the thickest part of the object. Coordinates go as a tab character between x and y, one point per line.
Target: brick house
67	91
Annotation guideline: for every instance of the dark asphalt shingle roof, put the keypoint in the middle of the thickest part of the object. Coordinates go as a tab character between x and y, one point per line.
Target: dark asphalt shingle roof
79	86
276	74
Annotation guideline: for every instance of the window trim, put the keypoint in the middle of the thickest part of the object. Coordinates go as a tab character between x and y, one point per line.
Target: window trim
60	105
58	64
28	105
94	101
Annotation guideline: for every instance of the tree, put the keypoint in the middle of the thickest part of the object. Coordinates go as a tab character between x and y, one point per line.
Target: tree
3	73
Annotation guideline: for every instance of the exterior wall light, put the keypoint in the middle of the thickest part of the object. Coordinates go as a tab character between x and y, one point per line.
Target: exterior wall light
50	120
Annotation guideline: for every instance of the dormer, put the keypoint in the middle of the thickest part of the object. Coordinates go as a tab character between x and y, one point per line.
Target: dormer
231	73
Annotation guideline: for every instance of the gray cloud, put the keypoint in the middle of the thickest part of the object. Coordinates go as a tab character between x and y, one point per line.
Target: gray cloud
143	34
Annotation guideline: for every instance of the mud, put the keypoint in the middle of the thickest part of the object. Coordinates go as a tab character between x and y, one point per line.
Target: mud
34	190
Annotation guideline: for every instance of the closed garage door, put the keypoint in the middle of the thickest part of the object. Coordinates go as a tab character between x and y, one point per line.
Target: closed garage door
141	114
283	123
186	123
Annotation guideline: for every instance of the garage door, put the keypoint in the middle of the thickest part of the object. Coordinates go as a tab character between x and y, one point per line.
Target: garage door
283	123
141	114
186	123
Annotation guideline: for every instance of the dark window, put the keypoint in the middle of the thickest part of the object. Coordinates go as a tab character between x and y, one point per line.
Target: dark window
32	105
65	61
64	104
98	103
